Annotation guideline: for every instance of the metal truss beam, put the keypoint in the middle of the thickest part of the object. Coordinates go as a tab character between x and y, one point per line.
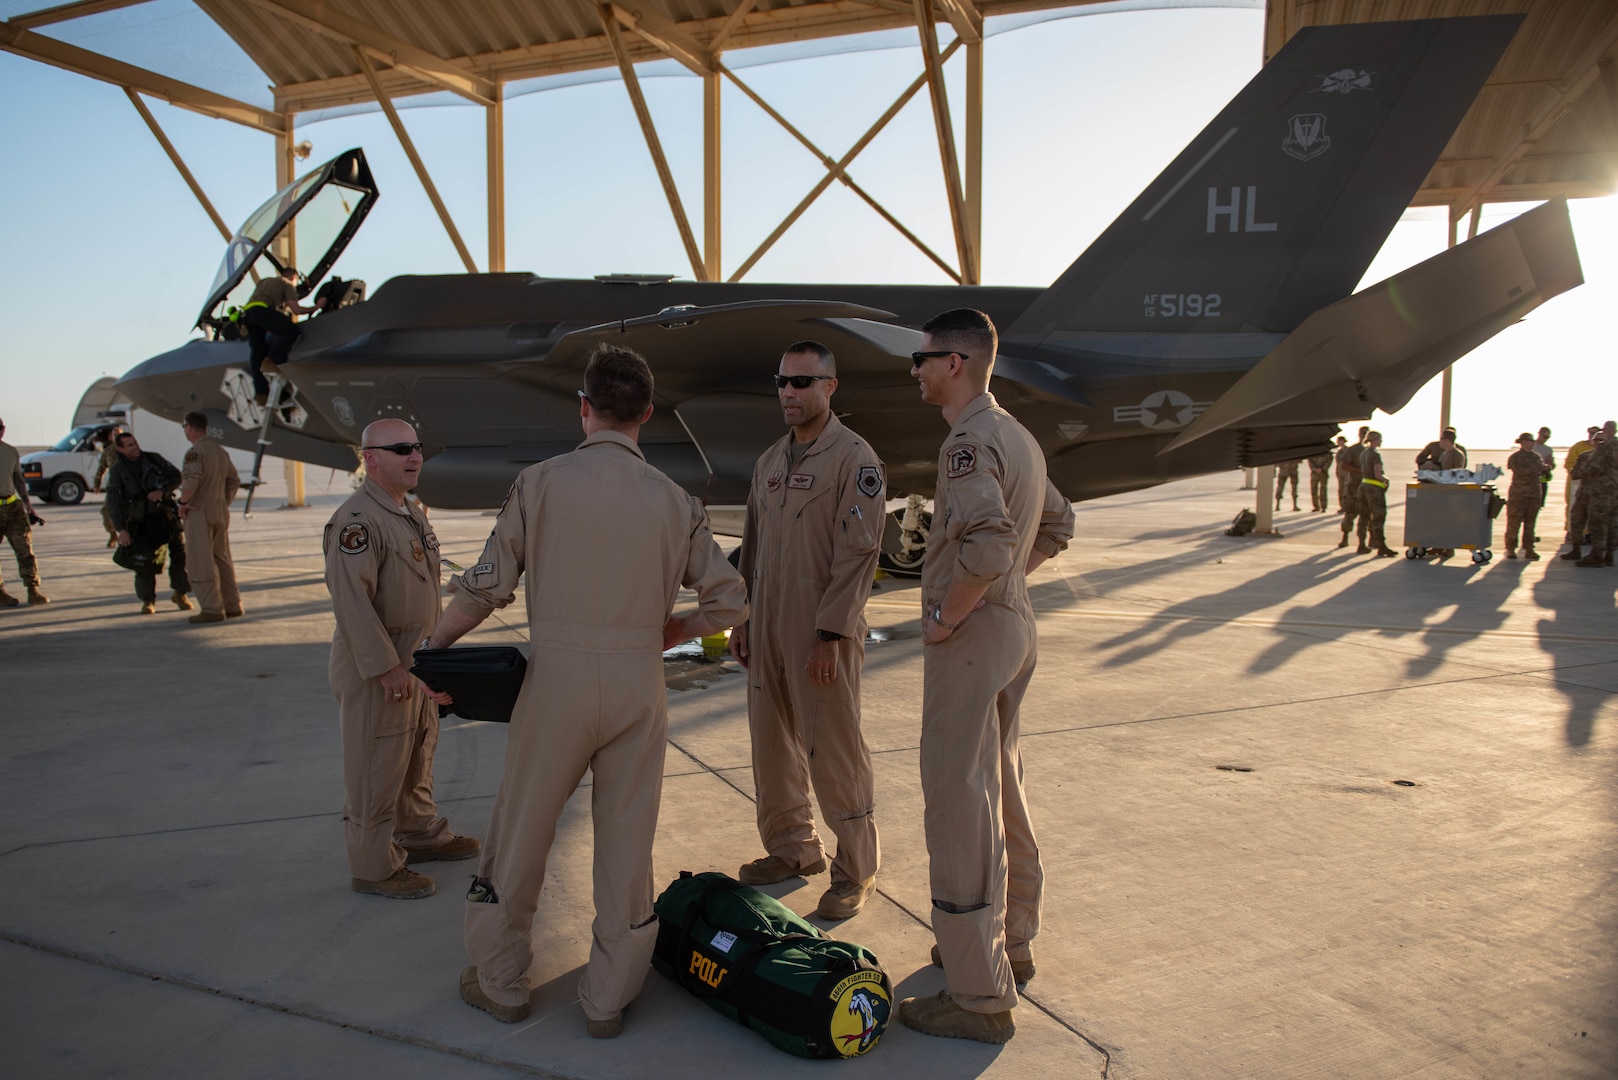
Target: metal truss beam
179	163
67	12
386	102
632	84
964	247
838	171
60	54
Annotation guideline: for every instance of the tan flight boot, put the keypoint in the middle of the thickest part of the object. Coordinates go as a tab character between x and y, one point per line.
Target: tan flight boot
7	600
403	884
773	868
845	899
36	598
941	1016
179	600
472	993
604	1029
452	850
147	607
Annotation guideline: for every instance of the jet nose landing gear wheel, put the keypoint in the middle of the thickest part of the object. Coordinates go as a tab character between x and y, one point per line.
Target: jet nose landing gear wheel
1482	556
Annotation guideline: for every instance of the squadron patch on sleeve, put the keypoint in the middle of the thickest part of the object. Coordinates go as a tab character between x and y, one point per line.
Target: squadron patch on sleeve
773	481
190	456
353	539
869	481
961	459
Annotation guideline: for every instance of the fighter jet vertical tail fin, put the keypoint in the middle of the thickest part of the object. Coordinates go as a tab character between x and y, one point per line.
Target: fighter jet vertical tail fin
1276	209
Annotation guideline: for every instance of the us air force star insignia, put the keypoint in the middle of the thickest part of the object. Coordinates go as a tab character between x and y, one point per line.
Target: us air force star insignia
869	481
800	481
773	482
960	460
353	539
1162	410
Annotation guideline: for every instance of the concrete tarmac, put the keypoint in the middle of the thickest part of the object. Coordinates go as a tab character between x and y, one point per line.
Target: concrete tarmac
1303	814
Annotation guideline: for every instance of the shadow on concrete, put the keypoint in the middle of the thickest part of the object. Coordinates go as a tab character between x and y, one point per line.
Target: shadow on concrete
1563	595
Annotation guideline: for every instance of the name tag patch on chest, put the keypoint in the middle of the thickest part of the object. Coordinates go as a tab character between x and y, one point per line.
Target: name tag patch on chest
353	539
960	460
869	481
773	481
800	481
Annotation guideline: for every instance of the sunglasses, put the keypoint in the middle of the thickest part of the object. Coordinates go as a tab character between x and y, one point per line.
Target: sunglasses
799	382
403	449
919	358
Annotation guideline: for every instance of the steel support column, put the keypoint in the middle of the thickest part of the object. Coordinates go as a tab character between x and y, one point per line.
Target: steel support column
495	117
974	156
712	176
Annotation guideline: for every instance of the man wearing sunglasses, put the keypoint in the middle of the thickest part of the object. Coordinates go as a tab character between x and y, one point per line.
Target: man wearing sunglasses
602	543
208	482
809	551
382	571
996	516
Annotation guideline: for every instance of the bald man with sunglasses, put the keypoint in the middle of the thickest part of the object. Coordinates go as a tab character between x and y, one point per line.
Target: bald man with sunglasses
382	572
808	555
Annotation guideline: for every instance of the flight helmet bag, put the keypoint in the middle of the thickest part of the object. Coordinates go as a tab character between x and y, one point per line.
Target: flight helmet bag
753	960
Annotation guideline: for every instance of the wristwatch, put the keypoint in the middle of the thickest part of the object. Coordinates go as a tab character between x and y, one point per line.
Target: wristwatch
938	617
424	642
828	635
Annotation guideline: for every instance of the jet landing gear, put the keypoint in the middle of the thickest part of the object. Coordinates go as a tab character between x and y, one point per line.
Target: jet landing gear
904	540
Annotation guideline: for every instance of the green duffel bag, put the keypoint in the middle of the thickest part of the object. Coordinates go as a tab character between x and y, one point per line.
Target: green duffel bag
751	958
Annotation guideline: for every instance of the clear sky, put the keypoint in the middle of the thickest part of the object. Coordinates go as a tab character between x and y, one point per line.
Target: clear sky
108	256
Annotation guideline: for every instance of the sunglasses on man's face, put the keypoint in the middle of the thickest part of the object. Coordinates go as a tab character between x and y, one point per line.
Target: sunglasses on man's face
919	358
799	382
403	449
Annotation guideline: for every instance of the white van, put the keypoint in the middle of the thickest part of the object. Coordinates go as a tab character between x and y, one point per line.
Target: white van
63	473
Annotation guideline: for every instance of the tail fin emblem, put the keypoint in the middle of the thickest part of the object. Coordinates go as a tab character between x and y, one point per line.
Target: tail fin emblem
1306	137
1345	81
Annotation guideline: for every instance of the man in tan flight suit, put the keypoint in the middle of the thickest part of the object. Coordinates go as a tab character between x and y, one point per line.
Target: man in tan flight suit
809	551
382	573
208	483
606	542
996	516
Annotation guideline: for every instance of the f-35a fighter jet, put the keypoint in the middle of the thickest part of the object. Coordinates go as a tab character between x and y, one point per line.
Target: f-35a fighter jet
1210	326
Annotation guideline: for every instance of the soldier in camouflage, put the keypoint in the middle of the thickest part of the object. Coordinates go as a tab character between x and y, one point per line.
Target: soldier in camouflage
1319	481
1287	470
1373	497
1601	484
1527	469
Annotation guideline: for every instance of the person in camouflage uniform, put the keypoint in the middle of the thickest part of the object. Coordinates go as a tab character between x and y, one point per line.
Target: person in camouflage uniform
1601	484
109	458
1373	497
1344	453
1319	481
1353	511
1578	511
1286	470
1527	468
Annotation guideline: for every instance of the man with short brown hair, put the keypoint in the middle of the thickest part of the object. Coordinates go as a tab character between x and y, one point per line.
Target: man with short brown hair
602	542
996	517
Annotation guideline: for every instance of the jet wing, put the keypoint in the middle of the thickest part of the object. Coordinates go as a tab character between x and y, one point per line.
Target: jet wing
686	340
1375	349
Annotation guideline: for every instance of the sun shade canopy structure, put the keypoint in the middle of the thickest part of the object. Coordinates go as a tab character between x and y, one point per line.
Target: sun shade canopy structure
1545	124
